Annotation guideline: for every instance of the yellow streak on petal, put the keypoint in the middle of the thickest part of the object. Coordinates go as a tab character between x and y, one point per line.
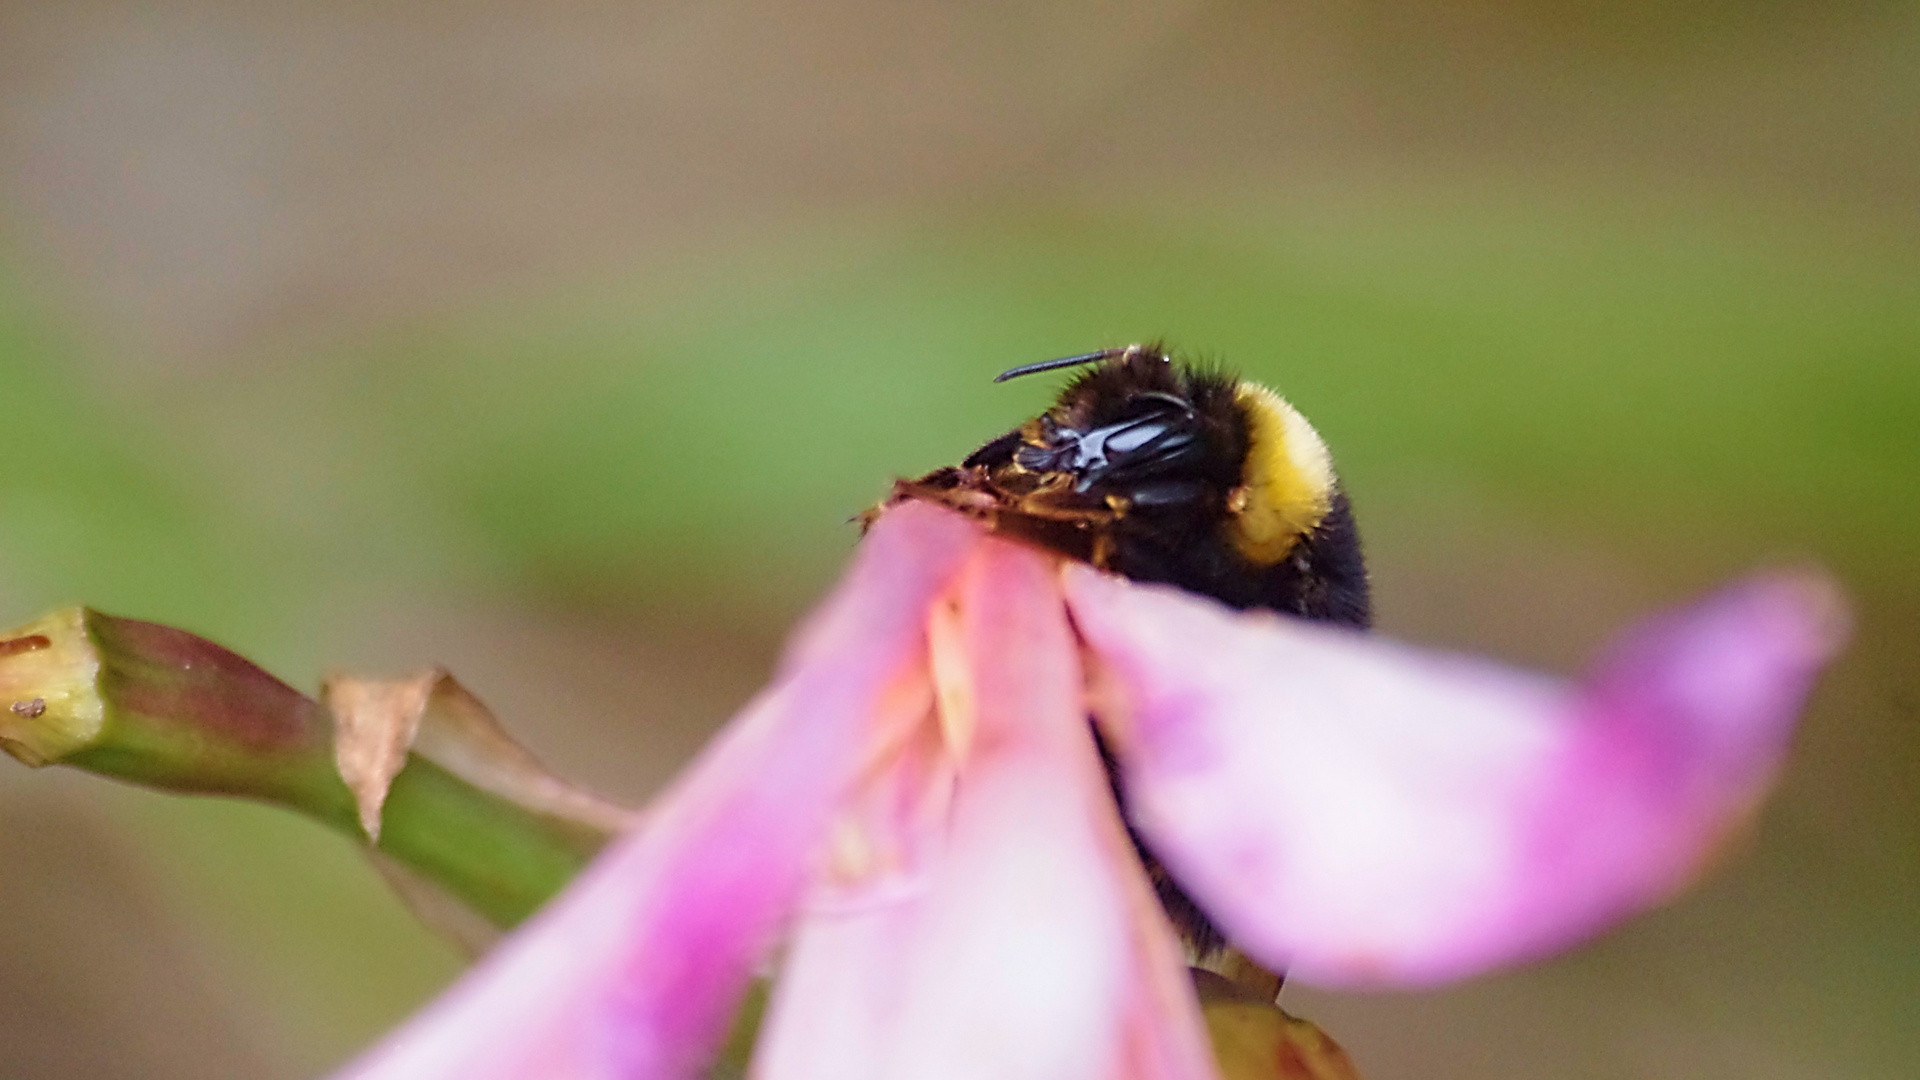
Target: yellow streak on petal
899	712
851	856
952	678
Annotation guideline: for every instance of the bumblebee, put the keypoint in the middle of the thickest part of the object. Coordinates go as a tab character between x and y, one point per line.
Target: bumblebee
1162	472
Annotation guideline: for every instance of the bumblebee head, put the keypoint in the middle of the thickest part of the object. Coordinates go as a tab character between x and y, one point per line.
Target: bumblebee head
1147	438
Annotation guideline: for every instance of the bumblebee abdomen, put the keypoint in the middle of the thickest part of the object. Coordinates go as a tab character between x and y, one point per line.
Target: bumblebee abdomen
1322	577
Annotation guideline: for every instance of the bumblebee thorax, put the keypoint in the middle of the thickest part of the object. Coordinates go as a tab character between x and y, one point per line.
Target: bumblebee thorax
1286	482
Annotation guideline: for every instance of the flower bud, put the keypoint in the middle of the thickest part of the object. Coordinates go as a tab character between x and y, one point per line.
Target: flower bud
47	671
452	802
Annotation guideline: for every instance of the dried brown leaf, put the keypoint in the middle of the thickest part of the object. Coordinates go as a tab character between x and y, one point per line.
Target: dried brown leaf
375	724
378	723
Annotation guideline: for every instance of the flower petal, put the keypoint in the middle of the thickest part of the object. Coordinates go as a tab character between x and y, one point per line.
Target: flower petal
1034	948
635	970
1364	812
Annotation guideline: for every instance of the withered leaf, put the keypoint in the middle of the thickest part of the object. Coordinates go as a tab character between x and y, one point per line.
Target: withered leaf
378	723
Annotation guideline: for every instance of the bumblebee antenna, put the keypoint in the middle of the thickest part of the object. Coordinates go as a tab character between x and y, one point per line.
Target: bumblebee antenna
1065	361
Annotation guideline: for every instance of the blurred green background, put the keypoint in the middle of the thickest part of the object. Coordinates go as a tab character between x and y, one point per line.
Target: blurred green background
558	344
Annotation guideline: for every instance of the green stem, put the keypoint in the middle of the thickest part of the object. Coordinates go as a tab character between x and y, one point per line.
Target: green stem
502	859
163	708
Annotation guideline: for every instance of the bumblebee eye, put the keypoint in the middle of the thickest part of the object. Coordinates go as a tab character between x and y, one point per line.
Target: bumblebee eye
1126	452
1133	437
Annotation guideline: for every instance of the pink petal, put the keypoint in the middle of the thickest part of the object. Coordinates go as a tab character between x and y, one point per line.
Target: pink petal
1032	947
842	976
1364	812
635	970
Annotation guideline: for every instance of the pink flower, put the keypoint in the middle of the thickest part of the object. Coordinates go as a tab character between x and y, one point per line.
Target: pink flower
915	808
